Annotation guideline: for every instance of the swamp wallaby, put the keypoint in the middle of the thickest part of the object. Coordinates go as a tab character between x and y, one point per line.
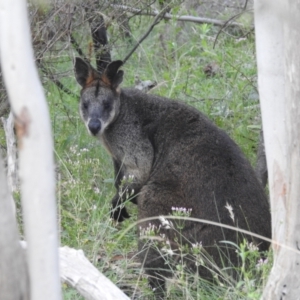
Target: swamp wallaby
175	157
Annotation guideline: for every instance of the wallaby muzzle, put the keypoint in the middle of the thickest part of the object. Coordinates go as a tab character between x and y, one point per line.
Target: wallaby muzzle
94	126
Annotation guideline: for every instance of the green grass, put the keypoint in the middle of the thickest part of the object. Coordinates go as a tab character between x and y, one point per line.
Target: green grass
84	170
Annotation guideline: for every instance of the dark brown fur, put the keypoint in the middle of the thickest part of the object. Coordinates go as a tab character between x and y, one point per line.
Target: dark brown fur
179	158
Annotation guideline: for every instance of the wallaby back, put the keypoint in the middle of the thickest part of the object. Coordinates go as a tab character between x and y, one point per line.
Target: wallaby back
178	158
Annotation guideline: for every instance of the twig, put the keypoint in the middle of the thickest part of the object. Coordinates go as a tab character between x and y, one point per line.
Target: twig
243	74
56	81
62	87
228	23
245	5
139	11
77	47
156	21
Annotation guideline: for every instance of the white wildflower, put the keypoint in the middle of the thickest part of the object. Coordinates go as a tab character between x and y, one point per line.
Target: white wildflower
96	190
165	223
168	251
230	210
163	236
197	245
150	230
73	149
181	211
261	262
252	247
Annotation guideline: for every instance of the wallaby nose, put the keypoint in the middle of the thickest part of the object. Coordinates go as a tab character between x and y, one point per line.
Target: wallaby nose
94	126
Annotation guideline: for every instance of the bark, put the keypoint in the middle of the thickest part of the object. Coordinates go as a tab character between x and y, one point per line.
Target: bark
12	175
278	58
4	106
261	167
13	271
36	163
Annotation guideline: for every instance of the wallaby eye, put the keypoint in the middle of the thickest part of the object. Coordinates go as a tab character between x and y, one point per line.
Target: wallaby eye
85	105
106	104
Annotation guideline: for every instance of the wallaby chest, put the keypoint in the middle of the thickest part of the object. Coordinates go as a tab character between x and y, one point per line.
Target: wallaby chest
129	146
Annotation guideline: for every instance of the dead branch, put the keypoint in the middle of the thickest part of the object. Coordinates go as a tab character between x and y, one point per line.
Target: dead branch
79	273
168	16
77	47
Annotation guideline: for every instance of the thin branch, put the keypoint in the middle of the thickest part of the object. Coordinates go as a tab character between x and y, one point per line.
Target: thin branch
228	23
156	21
245	5
63	88
169	16
60	85
77	47
142	11
243	74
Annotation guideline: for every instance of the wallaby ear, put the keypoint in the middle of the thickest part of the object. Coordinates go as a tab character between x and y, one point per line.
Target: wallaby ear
112	76
84	72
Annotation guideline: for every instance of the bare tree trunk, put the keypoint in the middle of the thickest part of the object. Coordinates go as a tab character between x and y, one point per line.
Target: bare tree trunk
36	161
13	272
277	26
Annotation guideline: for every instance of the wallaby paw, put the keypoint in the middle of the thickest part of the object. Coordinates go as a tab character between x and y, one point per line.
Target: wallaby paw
119	214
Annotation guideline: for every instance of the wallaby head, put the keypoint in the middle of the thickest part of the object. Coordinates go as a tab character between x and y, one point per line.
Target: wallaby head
100	94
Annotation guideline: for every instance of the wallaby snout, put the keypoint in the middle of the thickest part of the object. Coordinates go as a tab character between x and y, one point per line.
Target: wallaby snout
94	126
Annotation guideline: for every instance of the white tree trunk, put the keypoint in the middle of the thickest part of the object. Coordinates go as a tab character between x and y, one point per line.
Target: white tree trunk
13	271
277	26
35	144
